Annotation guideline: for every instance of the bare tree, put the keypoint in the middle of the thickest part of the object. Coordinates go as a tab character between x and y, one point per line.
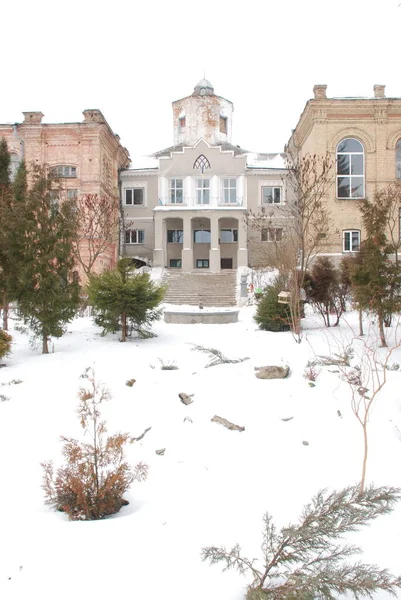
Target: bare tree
304	224
97	221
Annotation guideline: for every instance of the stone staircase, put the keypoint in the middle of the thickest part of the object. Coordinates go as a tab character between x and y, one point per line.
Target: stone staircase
212	289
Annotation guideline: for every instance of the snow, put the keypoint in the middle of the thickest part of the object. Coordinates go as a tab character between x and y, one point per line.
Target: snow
212	486
266	161
139	162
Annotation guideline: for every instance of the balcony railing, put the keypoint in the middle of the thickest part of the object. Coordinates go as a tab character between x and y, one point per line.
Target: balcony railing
192	202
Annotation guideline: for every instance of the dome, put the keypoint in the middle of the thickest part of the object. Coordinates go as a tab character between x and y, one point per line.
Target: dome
203	88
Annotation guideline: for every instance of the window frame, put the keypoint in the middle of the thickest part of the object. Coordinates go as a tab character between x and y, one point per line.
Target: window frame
228	188
350	176
202	231
350	233
398	159
176	234
272	187
172	190
177	266
138	242
68	171
133	189
234	232
266	231
202	189
203	266
223	122
71	195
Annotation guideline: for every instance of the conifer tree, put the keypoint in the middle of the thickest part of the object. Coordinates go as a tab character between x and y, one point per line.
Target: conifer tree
5	207
376	280
48	293
121	298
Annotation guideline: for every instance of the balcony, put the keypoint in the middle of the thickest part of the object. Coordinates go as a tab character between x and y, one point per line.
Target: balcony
191	202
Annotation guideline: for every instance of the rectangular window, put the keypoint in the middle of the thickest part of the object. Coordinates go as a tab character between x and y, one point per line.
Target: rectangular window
175	263
351	240
63	171
202	191
176	191
72	194
202	236
135	236
202	263
134	196
181	122
223	124
175	236
272	234
228	236
229	191
271	195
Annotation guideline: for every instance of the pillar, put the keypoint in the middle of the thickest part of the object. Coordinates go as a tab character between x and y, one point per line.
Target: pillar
187	255
214	253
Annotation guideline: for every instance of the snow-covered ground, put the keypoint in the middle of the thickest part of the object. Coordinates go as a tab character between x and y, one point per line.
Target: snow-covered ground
211	486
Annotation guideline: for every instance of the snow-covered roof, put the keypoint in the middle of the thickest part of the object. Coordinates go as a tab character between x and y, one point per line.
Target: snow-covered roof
143	162
266	161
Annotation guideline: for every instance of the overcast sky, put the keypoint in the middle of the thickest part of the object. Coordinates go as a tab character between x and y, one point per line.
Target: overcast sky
131	59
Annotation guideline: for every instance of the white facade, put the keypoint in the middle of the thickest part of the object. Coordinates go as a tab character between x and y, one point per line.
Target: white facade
188	210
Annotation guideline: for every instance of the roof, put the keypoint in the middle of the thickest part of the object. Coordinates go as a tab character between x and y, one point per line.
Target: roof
267	161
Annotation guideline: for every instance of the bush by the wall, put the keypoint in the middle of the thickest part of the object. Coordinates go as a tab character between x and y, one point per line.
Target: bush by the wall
5	343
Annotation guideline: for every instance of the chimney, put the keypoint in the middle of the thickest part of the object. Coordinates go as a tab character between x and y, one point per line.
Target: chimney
33	118
320	92
93	115
379	91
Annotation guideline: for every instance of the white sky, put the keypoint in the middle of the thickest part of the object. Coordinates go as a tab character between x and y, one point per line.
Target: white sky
131	59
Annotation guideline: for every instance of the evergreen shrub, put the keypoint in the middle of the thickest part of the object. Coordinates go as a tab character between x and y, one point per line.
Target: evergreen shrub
270	314
5	343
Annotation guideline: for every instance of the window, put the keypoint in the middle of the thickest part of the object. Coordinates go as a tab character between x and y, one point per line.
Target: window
223	124
202	236
72	194
63	171
229	191
181	122
176	192
202	263
351	240
272	234
271	195
202	191
350	169
398	160
175	236
175	263
228	236
135	236
134	196
202	163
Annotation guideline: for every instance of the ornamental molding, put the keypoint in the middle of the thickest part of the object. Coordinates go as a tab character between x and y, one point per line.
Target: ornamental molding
352	132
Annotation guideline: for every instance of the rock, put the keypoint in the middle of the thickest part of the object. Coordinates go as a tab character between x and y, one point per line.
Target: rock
339	414
188	419
161	451
287	419
227	424
185	398
305	443
272	372
130	382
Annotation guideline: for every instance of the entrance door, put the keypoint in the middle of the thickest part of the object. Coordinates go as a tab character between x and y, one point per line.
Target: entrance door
226	263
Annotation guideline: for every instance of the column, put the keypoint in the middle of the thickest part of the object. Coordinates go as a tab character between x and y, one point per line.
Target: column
187	255
158	252
214	254
242	253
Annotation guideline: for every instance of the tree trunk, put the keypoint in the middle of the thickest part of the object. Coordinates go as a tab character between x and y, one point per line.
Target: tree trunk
45	346
365	457
360	322
5	312
381	330
124	327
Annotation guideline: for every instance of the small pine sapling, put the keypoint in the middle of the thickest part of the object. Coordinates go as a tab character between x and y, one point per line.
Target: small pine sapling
5	343
309	560
96	476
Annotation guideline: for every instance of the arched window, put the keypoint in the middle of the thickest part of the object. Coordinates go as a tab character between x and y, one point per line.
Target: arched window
350	169
201	163
398	160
